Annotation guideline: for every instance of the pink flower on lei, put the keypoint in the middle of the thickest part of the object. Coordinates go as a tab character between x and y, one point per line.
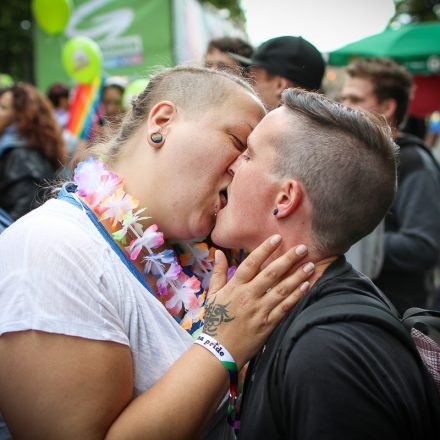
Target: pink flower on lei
184	294
95	181
116	206
131	220
155	263
194	314
150	239
172	274
201	259
104	192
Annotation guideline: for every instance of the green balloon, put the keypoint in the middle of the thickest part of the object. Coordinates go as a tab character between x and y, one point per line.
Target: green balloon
5	80
132	90
82	59
52	15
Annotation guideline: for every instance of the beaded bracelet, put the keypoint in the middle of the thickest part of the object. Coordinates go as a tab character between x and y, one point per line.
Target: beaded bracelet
228	362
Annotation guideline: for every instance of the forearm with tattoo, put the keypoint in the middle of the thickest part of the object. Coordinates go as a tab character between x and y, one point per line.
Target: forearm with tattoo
215	315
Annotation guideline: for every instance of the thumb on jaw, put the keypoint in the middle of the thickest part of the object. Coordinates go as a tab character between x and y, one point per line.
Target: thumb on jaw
219	273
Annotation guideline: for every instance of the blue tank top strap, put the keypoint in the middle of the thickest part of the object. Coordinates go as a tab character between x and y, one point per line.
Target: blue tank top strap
67	194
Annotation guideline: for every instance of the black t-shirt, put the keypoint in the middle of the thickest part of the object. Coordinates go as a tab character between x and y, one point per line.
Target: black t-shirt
348	380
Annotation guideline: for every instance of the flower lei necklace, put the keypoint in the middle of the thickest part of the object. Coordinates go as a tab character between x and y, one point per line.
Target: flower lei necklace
104	193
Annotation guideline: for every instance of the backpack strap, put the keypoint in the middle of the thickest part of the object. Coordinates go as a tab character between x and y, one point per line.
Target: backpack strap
426	321
343	308
407	140
332	309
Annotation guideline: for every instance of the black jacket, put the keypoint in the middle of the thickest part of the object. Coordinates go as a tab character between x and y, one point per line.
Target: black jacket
412	228
24	174
341	380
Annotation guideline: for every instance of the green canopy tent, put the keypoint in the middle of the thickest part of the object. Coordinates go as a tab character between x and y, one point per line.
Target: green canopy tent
416	46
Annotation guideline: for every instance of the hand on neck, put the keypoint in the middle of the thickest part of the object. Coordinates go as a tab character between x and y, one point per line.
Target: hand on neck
321	262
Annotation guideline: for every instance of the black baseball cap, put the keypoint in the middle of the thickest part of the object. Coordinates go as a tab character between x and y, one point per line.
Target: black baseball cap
290	57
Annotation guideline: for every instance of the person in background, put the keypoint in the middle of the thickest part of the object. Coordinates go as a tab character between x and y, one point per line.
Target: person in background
220	51
412	228
58	95
111	102
110	111
108	115
284	62
416	126
432	136
32	149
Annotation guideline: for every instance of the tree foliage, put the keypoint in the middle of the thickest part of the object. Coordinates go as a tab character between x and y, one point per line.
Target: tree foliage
414	11
16	43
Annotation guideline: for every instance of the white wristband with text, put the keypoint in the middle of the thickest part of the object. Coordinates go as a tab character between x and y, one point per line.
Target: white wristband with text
215	348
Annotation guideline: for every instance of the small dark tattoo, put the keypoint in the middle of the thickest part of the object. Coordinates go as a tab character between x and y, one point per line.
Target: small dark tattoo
215	315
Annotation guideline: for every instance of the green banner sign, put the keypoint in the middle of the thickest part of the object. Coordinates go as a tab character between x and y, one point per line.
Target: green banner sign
134	36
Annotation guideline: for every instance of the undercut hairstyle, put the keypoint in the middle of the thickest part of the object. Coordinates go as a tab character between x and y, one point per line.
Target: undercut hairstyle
233	45
346	161
194	90
389	79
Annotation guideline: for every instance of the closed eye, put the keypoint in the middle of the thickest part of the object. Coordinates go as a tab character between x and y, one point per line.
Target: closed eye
239	144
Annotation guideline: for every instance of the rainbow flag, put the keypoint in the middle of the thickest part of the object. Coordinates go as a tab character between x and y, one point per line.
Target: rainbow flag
85	103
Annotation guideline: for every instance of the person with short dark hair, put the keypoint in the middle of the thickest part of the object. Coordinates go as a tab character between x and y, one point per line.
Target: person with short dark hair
58	95
389	86
412	228
322	174
284	62
219	54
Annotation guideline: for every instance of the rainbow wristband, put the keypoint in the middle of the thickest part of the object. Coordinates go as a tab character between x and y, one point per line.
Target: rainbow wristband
228	362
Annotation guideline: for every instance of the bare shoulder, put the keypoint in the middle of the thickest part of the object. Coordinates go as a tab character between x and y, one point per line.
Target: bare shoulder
55	386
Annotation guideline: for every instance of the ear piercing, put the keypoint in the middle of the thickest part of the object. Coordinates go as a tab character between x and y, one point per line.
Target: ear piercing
157	138
275	211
